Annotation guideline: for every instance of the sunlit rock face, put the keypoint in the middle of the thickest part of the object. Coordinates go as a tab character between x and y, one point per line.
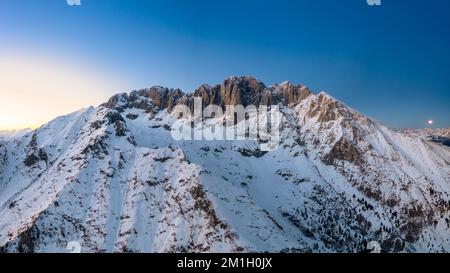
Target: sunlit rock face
113	179
233	91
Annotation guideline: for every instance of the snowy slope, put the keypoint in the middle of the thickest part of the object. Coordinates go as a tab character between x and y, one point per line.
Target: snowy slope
113	179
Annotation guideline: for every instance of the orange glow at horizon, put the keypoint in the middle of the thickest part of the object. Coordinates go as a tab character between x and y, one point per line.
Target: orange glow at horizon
34	91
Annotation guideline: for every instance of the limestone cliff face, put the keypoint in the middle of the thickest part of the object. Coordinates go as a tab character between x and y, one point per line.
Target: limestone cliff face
293	93
209	94
233	91
241	90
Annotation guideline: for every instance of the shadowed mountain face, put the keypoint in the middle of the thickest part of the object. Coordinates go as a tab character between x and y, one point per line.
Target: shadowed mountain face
113	179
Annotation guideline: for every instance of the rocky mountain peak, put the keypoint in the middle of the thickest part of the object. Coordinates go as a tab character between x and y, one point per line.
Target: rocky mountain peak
244	90
241	90
112	177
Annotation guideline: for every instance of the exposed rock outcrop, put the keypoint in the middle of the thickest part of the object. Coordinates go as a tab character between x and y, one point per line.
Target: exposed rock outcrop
345	151
292	94
233	91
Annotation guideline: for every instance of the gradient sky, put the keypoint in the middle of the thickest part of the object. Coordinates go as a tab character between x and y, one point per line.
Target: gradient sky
390	62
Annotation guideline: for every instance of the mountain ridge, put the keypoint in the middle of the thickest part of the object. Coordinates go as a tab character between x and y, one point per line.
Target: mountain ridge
112	178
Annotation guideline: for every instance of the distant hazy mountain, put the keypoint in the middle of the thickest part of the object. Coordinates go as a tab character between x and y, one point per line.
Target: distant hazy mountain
13	133
436	135
113	179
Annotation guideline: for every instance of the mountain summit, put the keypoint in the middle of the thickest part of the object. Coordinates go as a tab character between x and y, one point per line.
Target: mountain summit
113	179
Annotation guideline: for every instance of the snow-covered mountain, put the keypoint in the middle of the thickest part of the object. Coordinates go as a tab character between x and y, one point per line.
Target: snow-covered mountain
436	135
13	133
113	179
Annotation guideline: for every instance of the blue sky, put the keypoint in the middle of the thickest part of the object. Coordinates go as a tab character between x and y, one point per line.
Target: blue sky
390	62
